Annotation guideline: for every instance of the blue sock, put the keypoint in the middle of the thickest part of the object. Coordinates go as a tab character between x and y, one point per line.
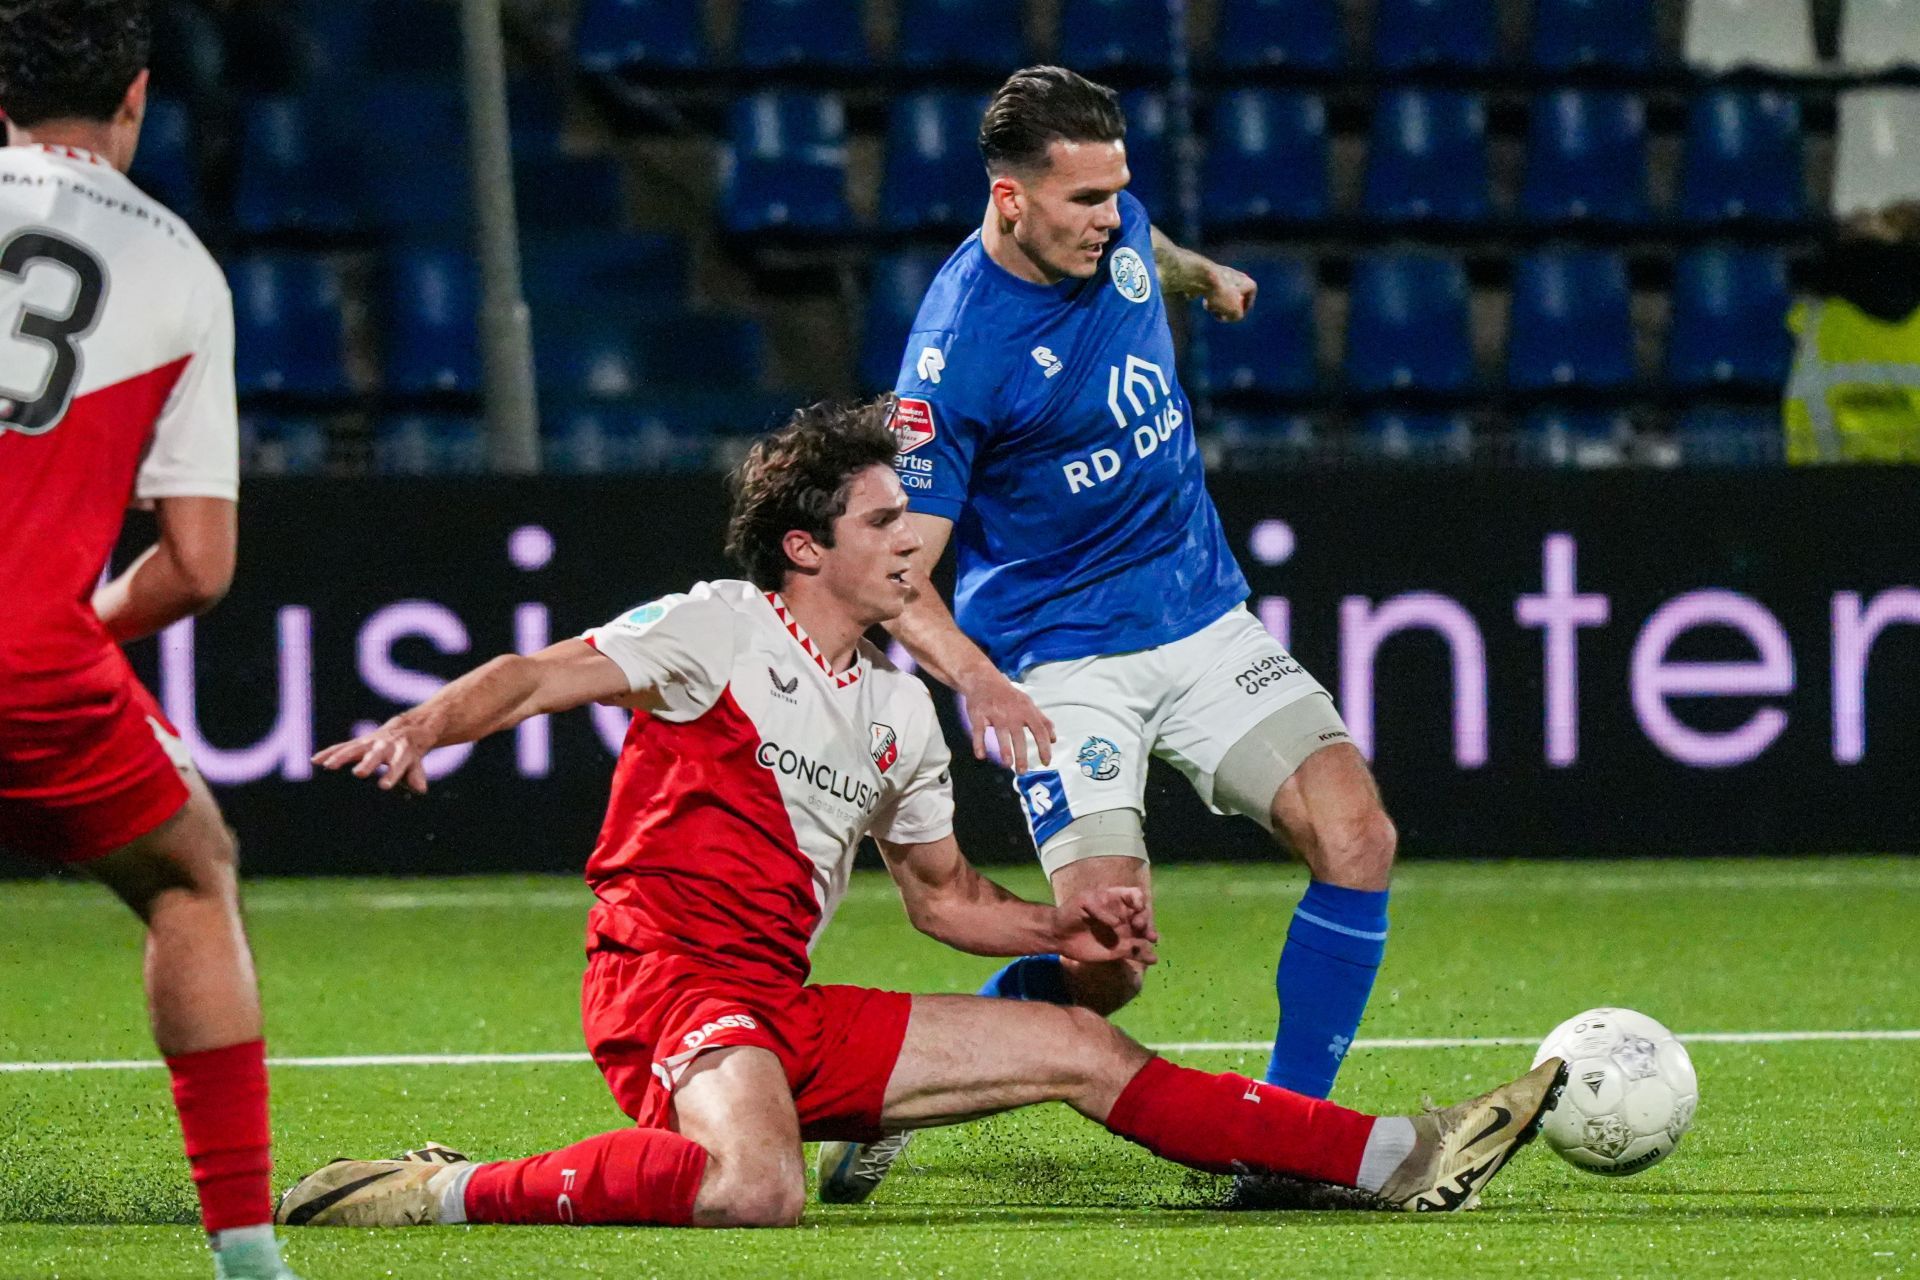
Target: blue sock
1030	978
1326	973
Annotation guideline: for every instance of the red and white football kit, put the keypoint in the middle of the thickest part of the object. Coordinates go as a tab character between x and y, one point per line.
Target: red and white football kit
747	780
742	793
116	385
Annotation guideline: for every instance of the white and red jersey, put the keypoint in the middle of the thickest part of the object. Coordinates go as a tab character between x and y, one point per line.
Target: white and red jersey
750	776
116	385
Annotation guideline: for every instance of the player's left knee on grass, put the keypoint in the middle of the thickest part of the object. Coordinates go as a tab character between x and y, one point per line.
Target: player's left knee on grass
749	1193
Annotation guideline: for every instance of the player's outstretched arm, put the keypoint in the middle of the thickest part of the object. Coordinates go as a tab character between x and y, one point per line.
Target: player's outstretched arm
947	899
927	630
185	573
1227	294
486	700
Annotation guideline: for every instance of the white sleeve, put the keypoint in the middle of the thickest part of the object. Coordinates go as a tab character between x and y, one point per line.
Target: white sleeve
196	443
677	650
922	810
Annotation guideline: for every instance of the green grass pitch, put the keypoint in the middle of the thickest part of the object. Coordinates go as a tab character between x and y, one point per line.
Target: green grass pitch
1805	1158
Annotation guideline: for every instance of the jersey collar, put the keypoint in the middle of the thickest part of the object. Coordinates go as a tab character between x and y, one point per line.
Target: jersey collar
841	679
81	154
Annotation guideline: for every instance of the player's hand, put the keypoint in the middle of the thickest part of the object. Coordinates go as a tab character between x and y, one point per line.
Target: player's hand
1107	924
396	751
995	702
1229	294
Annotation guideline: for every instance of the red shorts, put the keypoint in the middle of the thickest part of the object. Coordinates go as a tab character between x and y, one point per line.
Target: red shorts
83	774
649	1014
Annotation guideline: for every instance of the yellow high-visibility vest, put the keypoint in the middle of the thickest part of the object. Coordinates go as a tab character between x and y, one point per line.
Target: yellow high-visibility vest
1855	391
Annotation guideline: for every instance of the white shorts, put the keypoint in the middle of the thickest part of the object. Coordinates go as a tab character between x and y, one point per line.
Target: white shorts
1187	702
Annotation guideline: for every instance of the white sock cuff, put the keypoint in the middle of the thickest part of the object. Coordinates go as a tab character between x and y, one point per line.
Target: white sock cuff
453	1197
1390	1143
244	1237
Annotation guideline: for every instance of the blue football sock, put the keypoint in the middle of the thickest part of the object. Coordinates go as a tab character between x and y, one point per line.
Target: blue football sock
1030	978
1326	973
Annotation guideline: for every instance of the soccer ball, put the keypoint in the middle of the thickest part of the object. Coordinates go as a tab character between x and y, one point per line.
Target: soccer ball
1630	1091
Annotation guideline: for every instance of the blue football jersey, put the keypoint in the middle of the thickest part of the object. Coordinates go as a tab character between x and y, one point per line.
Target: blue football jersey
1048	423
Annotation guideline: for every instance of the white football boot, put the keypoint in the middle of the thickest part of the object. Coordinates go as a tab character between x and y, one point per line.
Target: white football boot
849	1171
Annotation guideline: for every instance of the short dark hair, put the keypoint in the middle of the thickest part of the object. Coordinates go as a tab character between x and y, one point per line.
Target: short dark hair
1039	106
797	478
70	59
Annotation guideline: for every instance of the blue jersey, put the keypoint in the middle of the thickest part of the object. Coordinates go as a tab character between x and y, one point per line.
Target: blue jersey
1048	423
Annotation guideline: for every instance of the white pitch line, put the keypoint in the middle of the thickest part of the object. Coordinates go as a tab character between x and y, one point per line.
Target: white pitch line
1177	1046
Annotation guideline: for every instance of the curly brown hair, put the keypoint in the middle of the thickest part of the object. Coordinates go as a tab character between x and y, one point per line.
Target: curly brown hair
69	59
797	478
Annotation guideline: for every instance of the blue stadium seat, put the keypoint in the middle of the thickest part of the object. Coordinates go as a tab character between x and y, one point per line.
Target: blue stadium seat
557	193
1729	318
1300	34
801	33
578	359
933	178
1103	35
898	284
614	438
1147	160
598	269
273	445
420	194
166	164
337	36
289	325
1585	438
432	313
1730	435
621	35
1434	33
786	165
1743	158
1428	157
1266	159
1272	350
292	175
967	35
429	444
1593	33
1571	321
1407	324
1586	158
1417	437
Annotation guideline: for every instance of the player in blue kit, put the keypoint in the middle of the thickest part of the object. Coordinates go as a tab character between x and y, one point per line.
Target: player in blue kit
1098	611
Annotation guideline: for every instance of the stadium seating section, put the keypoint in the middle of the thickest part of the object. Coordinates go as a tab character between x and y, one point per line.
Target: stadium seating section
1561	231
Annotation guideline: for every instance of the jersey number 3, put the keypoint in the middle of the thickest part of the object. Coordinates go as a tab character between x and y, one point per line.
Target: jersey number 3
36	411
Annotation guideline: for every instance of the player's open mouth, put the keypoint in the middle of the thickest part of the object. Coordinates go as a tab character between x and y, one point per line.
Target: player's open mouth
899	576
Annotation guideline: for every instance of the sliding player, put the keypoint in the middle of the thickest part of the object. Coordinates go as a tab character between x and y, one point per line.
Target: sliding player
1043	430
768	740
116	384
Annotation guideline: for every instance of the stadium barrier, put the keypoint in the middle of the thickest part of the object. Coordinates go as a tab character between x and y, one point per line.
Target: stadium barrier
1540	664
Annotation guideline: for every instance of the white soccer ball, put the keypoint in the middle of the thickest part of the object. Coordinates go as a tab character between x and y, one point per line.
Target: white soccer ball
1630	1093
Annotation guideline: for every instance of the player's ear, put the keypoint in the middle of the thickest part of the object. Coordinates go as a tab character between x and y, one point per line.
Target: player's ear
803	551
133	107
1009	197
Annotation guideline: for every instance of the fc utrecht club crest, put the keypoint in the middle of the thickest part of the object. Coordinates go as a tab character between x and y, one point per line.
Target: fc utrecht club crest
885	746
912	423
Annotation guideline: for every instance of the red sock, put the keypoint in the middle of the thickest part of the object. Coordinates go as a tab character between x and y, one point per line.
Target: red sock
221	1095
1230	1124
630	1177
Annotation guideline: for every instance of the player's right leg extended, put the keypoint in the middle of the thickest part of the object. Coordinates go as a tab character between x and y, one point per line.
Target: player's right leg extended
964	1058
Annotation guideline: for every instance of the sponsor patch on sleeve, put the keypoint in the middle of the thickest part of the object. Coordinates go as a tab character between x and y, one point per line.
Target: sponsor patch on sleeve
912	423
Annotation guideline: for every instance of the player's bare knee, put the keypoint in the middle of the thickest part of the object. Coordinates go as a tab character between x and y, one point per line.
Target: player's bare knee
744	1192
1359	854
